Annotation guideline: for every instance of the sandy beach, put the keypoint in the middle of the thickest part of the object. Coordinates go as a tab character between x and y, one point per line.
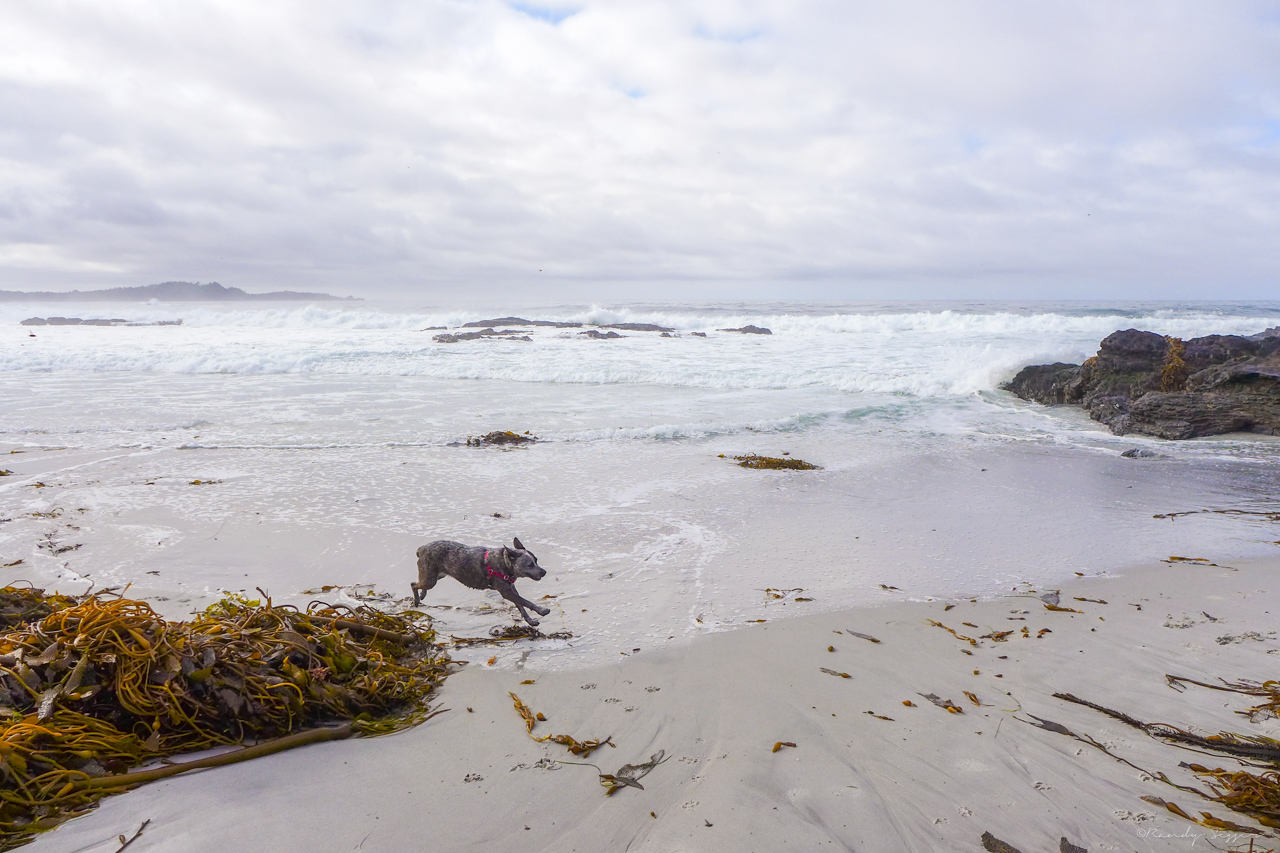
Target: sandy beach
926	778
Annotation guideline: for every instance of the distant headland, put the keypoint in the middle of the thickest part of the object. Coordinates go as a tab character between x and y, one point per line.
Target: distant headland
169	291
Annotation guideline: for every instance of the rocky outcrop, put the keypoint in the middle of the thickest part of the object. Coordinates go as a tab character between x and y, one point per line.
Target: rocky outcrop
1149	384
749	330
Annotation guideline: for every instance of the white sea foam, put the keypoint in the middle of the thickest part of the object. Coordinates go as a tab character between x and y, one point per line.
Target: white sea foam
920	353
822	365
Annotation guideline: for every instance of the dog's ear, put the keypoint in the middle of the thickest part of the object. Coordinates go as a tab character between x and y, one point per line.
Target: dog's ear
516	542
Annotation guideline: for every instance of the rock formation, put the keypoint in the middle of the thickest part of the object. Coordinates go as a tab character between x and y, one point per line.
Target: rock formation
1141	382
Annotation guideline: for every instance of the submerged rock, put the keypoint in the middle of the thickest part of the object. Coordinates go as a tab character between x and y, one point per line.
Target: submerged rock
600	336
749	330
1149	384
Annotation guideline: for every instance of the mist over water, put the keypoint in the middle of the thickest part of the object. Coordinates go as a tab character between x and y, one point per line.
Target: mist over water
335	437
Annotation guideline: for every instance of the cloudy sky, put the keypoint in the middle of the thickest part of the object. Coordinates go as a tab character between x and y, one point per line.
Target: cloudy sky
645	149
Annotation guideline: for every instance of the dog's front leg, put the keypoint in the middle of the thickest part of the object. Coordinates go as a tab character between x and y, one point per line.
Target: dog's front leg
519	600
508	592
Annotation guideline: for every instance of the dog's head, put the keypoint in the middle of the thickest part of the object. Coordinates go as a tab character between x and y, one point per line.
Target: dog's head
522	562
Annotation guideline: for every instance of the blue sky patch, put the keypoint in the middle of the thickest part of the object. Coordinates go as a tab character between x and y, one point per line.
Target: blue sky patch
731	36
544	13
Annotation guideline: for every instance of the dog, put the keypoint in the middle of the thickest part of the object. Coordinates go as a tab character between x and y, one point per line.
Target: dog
480	568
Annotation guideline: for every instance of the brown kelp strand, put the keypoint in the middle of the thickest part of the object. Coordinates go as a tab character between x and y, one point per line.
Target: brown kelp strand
1256	795
92	688
577	747
1266	690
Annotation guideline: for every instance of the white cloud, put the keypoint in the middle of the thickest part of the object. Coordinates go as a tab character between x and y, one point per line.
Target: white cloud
637	149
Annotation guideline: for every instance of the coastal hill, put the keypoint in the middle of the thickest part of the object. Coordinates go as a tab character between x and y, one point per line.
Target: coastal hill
169	291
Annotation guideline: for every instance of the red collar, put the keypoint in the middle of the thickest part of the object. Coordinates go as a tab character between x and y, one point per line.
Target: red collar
494	573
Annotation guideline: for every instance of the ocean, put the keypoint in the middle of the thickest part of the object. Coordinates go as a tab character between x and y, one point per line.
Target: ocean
329	441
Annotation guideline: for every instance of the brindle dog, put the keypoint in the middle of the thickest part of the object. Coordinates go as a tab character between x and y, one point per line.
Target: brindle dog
479	568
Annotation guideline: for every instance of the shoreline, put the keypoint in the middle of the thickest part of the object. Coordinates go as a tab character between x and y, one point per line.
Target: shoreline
926	779
697	537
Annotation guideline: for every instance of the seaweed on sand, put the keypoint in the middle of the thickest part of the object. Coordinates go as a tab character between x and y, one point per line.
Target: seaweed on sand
774	463
1256	795
98	686
577	747
509	633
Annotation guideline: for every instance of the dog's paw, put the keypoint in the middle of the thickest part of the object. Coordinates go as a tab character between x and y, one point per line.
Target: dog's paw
534	622
543	611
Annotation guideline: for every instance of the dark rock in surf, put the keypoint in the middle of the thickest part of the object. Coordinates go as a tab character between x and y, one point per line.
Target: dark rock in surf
1149	384
600	336
504	335
749	330
519	321
636	327
1140	453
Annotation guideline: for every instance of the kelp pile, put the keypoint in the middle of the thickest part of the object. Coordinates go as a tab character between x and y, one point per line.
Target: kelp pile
774	463
20	605
1256	795
94	687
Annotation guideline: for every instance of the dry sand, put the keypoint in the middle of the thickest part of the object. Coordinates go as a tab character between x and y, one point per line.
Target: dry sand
926	779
